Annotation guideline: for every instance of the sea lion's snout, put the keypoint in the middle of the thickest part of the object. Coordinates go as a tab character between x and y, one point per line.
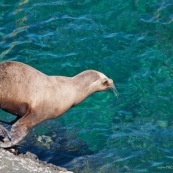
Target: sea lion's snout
107	83
110	83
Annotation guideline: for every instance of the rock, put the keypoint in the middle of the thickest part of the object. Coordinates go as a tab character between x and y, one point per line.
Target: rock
26	163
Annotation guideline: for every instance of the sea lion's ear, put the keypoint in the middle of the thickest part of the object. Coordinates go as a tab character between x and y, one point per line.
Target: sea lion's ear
105	82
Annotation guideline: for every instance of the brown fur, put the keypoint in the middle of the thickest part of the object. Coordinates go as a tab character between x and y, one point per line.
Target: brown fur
35	97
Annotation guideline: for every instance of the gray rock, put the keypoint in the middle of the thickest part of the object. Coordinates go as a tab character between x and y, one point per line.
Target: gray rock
26	163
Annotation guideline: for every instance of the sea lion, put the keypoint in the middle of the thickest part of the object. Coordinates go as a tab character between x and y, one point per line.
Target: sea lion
35	97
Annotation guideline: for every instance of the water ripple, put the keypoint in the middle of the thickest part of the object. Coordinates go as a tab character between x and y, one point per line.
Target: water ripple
129	41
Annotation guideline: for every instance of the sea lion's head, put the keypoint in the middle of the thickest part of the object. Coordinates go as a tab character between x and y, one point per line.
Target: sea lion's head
94	81
102	82
105	83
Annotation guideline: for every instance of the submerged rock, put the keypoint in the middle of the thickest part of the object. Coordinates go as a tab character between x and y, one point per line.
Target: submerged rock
26	163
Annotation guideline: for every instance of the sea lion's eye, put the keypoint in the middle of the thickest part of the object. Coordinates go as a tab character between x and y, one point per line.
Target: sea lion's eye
105	82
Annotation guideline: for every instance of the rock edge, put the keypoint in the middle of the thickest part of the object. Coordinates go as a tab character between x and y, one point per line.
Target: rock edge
26	163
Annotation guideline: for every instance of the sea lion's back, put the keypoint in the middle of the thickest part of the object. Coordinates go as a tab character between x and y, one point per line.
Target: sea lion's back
18	79
12	68
16	72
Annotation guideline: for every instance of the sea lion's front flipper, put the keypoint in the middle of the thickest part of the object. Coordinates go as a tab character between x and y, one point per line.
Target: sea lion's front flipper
4	133
18	131
16	134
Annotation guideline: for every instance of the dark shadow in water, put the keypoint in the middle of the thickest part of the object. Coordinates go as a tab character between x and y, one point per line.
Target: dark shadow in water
59	158
57	149
51	142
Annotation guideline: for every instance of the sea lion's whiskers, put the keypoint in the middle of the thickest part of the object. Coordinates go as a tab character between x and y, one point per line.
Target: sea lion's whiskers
113	88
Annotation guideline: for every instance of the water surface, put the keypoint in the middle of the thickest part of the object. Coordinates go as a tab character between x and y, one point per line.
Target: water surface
131	42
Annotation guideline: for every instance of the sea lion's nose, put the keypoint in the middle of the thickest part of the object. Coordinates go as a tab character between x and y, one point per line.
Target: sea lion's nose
111	82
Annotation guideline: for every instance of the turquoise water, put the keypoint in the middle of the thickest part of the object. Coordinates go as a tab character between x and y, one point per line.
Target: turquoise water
132	43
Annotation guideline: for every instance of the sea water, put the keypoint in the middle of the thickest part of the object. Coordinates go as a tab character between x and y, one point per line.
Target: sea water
130	42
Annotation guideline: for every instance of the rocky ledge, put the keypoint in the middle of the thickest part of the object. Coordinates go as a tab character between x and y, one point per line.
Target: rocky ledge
26	163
